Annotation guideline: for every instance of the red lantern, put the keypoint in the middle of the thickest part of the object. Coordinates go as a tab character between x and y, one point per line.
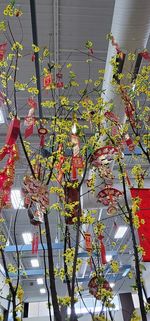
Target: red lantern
2	51
102	249
143	213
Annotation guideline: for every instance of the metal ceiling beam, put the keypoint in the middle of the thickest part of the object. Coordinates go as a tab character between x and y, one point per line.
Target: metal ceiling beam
111	277
35	42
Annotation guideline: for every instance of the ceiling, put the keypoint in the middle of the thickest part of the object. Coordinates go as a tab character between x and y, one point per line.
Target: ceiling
64	26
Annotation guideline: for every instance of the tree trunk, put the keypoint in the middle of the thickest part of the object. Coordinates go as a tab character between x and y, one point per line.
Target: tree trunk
137	268
14	308
55	304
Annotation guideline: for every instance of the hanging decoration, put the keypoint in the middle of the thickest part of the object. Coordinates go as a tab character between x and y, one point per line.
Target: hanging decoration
42	133
3	47
72	196
36	199
102	249
47	81
13	131
96	285
30	119
143	213
77	161
88	242
145	55
129	142
59	81
110	197
106	153
7	174
60	163
129	108
35	243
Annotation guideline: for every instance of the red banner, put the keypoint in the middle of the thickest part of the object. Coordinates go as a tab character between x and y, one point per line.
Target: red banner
143	213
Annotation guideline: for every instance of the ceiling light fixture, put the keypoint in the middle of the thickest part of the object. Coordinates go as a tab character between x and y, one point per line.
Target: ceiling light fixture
112	284
74	129
2	120
34	262
27	237
16	199
108	257
42	291
40	281
121	230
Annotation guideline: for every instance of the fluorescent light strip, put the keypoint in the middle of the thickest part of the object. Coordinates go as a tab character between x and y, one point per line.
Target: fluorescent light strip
2	120
34	262
40	281
42	291
121	230
126	272
16	199
27	237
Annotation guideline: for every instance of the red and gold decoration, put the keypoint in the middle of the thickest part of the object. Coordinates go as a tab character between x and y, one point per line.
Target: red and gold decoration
88	242
102	249
59	81
3	47
35	243
47	81
13	132
72	196
36	199
96	285
60	163
110	197
77	161
42	133
30	119
7	174
143	213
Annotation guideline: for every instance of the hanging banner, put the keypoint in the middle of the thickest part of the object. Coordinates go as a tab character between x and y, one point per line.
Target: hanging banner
143	213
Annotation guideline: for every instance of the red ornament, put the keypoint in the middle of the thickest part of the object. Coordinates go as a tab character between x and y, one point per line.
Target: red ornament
88	241
32	103
2	51
129	142
59	84
28	131
72	195
96	284
143	213
102	249
106	152
47	81
145	55
77	162
42	133
13	131
109	196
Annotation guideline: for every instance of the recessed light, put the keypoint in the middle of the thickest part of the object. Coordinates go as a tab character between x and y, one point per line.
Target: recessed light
16	199
40	281
34	262
42	291
108	257
121	230
27	237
